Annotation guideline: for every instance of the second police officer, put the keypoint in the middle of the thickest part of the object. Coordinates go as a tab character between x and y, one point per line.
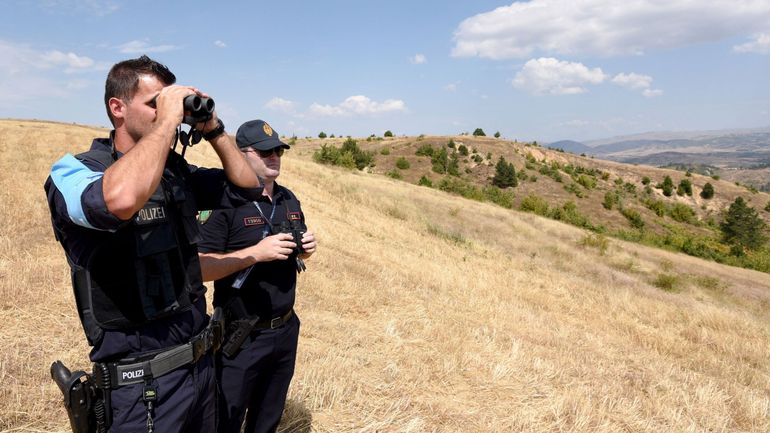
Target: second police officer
254	253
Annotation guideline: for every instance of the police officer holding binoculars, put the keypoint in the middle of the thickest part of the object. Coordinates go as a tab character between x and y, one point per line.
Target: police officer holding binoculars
124	212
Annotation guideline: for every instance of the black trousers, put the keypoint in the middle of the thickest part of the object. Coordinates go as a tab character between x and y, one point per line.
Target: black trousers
254	383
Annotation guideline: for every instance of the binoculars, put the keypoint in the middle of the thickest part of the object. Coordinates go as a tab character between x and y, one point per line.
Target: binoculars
199	109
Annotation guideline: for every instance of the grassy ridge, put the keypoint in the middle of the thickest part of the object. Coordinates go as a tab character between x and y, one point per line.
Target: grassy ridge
423	311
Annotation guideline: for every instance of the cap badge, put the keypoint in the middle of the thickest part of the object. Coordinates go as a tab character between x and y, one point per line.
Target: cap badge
268	130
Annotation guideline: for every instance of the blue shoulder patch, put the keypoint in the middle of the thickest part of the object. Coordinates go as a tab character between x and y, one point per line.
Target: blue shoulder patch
71	178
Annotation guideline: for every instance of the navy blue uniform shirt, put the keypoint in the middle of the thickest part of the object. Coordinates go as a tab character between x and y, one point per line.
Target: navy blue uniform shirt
269	289
82	221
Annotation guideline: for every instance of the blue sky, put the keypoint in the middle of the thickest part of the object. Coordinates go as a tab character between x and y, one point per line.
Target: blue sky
533	70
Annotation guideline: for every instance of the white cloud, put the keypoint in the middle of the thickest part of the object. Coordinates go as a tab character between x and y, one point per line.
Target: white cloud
358	105
418	59
27	74
651	93
220	44
143	47
604	27
452	87
556	77
280	104
635	81
760	45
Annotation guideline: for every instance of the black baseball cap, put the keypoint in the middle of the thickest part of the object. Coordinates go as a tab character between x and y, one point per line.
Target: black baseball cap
259	135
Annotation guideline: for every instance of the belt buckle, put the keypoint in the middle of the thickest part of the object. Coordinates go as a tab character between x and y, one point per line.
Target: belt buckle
199	347
278	321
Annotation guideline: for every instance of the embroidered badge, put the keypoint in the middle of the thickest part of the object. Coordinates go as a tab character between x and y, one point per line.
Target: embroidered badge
203	216
268	130
295	216
253	221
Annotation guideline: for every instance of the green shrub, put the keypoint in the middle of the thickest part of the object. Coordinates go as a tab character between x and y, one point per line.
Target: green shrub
535	204
667	282
498	196
682	213
463	150
645	180
385	151
657	206
707	192
425	150
424	181
451	144
610	200
402	163
478	132
387	134
395	174
575	189
633	217
321	134
588	182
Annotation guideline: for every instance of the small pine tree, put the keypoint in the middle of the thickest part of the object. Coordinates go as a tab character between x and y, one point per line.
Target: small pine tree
478	132
322	135
387	134
505	174
463	150
497	134
708	191
743	227
668	186
685	186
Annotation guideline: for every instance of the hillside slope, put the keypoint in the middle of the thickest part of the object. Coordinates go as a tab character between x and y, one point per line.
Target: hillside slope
424	311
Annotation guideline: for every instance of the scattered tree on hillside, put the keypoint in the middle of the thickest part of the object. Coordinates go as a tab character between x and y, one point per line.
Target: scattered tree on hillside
505	174
478	132
463	150
708	191
321	134
767	207
424	181
645	180
440	160
451	144
742	226
667	186
387	134
684	188
497	134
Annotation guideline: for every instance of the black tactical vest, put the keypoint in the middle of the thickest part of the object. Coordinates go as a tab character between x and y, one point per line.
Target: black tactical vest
148	269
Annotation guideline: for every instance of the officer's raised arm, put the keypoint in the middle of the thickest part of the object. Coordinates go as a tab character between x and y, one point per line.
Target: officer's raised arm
235	165
145	127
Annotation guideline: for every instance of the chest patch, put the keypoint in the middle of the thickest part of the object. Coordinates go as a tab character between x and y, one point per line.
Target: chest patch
253	221
294	216
150	215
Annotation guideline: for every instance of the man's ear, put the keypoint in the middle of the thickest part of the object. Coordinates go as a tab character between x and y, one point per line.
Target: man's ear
117	107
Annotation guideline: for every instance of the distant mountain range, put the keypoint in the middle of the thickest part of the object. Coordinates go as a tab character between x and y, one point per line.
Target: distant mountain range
723	148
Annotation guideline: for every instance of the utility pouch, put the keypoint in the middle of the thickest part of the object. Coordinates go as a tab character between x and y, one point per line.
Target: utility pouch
88	410
237	333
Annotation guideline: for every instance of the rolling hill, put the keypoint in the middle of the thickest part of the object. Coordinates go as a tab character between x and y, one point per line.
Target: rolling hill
426	311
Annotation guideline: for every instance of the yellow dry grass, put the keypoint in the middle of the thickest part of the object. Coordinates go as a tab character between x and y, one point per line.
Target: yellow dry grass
425	312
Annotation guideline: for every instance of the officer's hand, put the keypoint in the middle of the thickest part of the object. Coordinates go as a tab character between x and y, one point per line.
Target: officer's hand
309	244
169	104
275	247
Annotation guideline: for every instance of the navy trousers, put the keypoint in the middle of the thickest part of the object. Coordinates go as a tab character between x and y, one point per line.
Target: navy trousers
186	402
254	382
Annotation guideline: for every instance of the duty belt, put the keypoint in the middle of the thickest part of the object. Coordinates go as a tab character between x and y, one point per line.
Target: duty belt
276	322
132	371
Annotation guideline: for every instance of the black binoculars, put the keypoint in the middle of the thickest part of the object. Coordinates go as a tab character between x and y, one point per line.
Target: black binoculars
200	109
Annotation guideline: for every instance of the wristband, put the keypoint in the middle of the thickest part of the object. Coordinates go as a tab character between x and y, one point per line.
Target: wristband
216	132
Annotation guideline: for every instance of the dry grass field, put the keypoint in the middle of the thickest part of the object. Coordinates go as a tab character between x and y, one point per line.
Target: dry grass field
426	312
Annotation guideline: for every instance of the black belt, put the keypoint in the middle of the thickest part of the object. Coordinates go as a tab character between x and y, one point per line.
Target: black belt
138	370
276	322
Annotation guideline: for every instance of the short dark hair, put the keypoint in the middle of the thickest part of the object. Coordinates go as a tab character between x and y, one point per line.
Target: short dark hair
123	79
